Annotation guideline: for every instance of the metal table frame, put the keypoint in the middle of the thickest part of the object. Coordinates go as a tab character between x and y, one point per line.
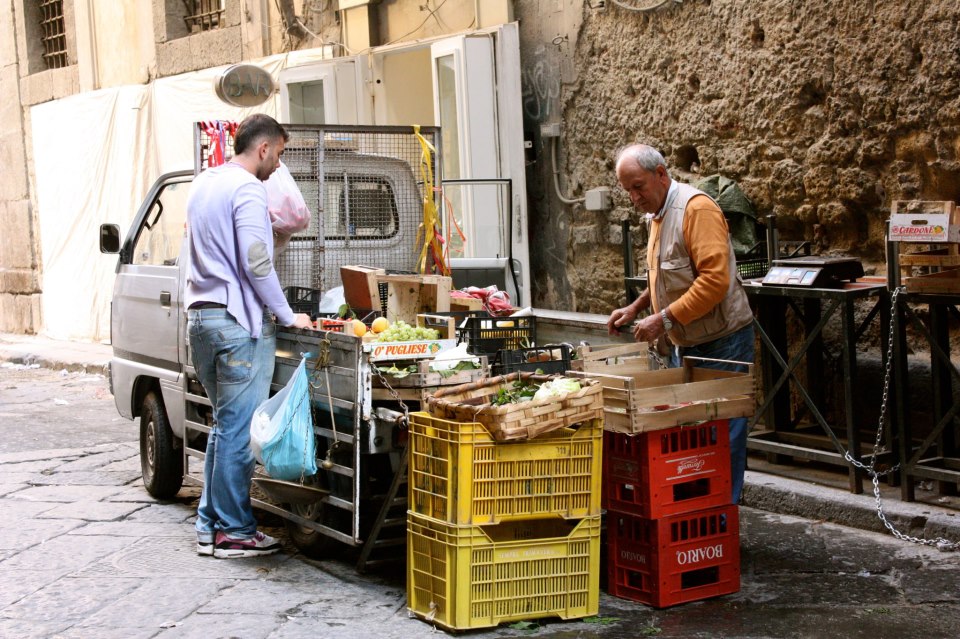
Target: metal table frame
938	456
781	437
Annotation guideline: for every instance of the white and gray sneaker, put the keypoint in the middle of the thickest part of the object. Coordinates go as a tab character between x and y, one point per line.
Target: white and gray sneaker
228	547
205	544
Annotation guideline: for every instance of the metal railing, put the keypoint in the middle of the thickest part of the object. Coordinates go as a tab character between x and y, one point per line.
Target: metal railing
53	35
203	15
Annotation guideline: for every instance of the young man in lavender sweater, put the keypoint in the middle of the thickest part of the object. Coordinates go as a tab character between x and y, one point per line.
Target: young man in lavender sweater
232	296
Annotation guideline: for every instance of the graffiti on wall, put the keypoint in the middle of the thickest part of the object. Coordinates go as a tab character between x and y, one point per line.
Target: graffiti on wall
541	86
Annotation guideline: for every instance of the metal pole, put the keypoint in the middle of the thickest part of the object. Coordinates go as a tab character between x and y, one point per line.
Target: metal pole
773	239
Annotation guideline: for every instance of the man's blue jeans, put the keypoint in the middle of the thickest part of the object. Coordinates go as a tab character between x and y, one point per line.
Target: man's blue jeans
236	371
738	347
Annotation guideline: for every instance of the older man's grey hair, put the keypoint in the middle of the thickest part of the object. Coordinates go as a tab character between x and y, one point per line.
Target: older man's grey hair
644	155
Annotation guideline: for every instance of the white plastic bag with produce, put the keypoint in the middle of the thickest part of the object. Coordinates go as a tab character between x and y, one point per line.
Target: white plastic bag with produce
288	210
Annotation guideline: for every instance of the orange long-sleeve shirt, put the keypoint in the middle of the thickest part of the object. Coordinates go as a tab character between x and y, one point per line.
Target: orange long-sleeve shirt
706	235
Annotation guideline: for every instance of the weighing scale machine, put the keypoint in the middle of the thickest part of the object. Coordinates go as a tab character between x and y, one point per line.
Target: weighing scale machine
814	272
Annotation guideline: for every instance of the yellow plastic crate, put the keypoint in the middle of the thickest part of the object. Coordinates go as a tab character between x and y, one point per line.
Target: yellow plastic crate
465	577
461	475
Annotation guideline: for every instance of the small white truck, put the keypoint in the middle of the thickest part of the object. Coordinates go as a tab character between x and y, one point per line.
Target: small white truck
365	190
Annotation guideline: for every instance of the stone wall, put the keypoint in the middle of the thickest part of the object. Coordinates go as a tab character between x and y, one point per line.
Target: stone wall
824	112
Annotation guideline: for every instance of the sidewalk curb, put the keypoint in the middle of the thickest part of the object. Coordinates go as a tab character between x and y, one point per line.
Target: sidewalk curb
30	350
812	501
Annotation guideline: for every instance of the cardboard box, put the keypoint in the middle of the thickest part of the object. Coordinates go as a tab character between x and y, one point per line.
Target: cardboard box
924	221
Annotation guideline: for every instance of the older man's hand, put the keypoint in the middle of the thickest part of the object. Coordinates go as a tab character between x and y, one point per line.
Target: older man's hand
649	328
620	318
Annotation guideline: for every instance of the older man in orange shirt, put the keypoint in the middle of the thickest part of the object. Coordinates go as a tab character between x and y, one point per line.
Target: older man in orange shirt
693	288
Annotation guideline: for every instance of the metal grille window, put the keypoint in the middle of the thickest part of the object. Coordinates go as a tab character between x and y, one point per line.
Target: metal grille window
366	210
364	188
53	34
203	15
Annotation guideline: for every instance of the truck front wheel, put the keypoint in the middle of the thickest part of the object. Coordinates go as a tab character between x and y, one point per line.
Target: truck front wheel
161	464
312	543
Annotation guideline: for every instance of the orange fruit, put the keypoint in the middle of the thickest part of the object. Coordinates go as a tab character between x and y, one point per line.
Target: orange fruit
380	325
359	328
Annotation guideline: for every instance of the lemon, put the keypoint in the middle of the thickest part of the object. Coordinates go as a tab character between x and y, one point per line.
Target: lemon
380	324
359	328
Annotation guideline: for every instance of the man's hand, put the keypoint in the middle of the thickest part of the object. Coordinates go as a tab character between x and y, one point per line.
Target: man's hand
620	317
623	316
301	320
649	328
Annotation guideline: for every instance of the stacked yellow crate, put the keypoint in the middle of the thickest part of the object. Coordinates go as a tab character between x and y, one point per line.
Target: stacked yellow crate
502	531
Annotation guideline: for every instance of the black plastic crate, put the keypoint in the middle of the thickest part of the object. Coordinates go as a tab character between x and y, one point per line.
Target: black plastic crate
749	269
303	300
488	335
509	361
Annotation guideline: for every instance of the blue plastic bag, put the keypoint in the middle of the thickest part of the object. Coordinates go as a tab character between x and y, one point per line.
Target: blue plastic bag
281	432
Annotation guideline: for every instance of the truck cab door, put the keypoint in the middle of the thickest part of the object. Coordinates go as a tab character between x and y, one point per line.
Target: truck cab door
147	311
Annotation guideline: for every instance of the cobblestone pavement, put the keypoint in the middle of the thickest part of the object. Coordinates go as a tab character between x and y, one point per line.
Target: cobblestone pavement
86	552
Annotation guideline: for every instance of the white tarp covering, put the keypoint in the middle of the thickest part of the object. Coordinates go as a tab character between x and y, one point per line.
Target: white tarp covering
95	156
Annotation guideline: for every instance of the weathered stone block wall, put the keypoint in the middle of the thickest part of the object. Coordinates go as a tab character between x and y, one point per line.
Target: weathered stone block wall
180	52
19	260
825	112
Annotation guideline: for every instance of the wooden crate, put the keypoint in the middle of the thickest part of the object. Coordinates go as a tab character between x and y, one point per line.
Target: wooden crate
524	420
599	357
942	283
639	401
424	377
923	271
466	304
410	295
360	286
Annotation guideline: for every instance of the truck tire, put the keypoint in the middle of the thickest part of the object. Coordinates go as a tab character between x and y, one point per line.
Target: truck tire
161	464
312	543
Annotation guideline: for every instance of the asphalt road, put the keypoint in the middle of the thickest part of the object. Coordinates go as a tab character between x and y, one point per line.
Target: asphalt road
85	552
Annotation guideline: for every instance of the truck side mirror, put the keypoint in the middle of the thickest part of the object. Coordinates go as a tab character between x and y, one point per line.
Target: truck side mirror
109	238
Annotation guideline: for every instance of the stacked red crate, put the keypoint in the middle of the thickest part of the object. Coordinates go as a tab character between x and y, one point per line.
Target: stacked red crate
672	534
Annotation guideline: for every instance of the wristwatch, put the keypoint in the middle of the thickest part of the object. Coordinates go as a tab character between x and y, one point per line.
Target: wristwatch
667	324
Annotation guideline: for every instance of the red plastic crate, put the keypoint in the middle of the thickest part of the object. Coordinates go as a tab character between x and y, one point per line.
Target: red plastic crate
674	560
667	472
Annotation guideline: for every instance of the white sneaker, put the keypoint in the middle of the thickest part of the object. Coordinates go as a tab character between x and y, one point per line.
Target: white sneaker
228	547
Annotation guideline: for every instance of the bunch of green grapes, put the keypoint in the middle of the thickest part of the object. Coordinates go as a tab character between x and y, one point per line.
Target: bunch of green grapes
400	331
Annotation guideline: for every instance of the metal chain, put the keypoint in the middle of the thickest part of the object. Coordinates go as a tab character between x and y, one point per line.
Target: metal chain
323	361
652	350
396	396
939	542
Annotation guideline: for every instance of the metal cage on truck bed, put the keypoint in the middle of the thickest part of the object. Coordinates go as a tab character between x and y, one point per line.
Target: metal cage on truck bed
364	189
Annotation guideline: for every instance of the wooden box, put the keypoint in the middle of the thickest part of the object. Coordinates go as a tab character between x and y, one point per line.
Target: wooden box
598	358
360	286
426	378
410	295
639	401
924	221
928	270
942	283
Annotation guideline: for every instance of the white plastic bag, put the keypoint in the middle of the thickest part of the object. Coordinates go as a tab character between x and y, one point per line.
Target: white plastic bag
288	210
281	431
